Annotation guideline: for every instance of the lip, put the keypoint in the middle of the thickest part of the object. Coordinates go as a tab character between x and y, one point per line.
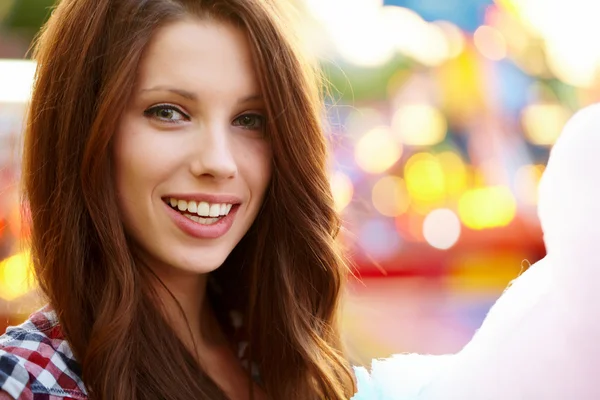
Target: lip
197	230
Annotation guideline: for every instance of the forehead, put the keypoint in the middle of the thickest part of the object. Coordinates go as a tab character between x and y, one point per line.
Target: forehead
204	57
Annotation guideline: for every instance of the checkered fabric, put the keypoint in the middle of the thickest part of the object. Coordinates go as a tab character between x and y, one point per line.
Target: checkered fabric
36	362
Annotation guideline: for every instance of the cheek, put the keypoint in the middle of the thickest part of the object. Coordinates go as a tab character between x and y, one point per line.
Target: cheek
143	157
142	160
256	166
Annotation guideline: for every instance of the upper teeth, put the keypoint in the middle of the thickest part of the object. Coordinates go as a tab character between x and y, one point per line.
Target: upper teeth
203	208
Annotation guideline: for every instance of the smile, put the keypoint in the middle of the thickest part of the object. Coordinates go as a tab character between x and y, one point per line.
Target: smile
202	216
202	212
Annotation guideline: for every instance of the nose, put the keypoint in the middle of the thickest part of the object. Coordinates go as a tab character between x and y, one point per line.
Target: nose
214	156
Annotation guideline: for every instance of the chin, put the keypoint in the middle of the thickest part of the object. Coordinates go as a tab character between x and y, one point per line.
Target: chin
200	264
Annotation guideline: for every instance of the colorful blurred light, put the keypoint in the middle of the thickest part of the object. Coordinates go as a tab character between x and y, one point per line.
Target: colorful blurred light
390	196
363	119
544	122
15	276
460	84
410	226
419	124
441	228
454	37
490	43
342	189
377	150
488	207
379	239
569	31
455	171
425	180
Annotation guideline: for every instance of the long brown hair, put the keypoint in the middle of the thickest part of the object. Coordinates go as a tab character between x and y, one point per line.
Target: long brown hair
287	271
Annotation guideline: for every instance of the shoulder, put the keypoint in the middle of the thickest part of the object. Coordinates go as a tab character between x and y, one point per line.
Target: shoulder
400	377
35	359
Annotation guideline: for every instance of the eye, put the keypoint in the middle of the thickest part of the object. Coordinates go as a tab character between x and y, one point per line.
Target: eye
166	113
253	122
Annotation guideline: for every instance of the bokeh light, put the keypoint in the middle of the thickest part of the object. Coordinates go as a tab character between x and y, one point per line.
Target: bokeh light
15	276
454	37
425	180
390	196
569	31
455	172
414	37
342	189
489	207
419	125
377	150
543	123
490	43
378	239
441	228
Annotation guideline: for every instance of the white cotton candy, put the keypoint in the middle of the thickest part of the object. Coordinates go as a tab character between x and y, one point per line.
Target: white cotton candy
541	340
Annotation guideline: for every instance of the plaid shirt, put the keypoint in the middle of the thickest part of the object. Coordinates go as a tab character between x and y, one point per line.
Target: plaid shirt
36	362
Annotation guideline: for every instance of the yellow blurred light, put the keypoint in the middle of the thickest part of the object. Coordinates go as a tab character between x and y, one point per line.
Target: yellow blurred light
508	5
533	62
459	85
342	189
390	196
425	179
441	229
488	207
544	122
490	43
419	125
16	80
15	275
527	180
517	36
454	37
377	150
455	172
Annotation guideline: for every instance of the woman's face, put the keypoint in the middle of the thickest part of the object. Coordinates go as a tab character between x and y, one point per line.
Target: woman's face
192	162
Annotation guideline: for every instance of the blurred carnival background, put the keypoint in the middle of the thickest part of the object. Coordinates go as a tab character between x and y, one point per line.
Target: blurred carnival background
441	114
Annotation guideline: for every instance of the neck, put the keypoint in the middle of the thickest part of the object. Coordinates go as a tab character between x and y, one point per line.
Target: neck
183	299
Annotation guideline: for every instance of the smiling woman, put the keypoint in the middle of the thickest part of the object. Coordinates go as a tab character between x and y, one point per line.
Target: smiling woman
183	227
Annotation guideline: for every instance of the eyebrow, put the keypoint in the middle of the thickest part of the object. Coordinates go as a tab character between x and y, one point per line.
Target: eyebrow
192	96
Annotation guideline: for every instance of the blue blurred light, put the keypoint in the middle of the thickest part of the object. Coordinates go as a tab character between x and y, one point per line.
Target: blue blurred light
379	239
510	85
467	14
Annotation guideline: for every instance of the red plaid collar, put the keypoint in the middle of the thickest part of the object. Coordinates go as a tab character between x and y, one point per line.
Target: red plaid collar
36	362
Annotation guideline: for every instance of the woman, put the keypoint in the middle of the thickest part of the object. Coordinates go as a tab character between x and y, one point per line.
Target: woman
183	228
